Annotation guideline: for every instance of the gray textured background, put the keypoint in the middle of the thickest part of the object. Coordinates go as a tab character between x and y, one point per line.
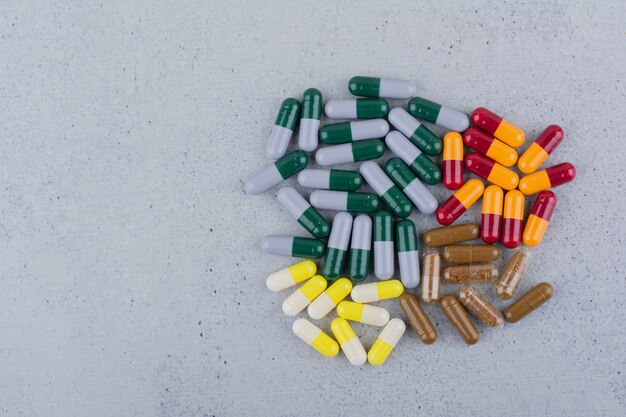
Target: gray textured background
131	279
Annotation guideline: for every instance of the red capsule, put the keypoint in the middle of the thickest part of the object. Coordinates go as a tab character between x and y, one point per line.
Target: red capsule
452	160
498	127
547	178
539	150
489	146
459	202
491	215
539	218
513	219
491	171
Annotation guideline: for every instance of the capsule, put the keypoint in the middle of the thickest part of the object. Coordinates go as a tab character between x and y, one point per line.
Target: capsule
467	254
344	201
480	307
529	302
513	220
459	202
315	337
491	171
329	299
383	245
360	248
376	291
491	215
346	132
385	188
408	257
330	179
443	236
498	127
452	160
512	275
363	150
302	297
337	246
482	272
416	132
381	87
547	178
285	124
301	210
363	313
431	276
489	146
357	108
310	119
349	342
436	113
298	247
539	218
387	340
418	319
279	171
540	149
421	164
459	318
290	276
411	186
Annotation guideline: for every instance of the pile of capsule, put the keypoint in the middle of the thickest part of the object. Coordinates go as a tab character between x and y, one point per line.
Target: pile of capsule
401	184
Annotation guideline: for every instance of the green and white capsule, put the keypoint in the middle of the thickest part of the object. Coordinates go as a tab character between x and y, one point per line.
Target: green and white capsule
344	201
383	245
386	189
381	87
421	164
408	257
284	126
411	186
310	119
330	179
298	247
362	150
346	132
438	114
357	108
301	210
274	174
337	248
419	134
360	248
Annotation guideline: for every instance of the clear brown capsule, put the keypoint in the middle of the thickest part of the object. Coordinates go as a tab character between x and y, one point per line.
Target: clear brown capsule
448	235
480	307
470	273
529	302
459	318
431	276
468	254
512	275
418	319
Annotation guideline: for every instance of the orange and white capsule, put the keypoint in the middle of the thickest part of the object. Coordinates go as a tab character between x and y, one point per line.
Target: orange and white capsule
539	218
491	216
459	202
498	127
452	160
540	149
513	220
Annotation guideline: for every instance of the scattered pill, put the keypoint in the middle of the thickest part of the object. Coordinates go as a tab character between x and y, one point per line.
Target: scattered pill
310	119
386	341
290	276
491	215
467	254
408	257
346	132
529	302
315	337
362	150
459	318
363	313
383	245
303	296
498	127
357	108
345	201
411	186
482	272
480	307
330	179
418	319
452	160
431	276
360	248
298	247
284	126
539	218
391	195
416	132
540	149
491	171
547	178
489	146
376	291
337	247
277	172
436	113
442	236
419	162
303	212
348	341
329	299
512	275
459	202
513	219
381	87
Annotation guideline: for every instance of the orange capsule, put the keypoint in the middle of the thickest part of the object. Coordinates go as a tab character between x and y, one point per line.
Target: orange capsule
491	217
547	178
491	171
540	149
539	218
452	160
498	127
489	146
459	202
513	219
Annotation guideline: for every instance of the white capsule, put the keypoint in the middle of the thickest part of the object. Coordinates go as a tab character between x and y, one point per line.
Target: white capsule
402	147
329	200
369	129
341	109
383	259
263	180
403	121
409	268
279	140
396	89
363	313
307	136
349	342
335	155
292	201
329	299
452	119
375	177
314	178
392	332
315	337
423	199
304	295
361	233
277	244
290	276
340	231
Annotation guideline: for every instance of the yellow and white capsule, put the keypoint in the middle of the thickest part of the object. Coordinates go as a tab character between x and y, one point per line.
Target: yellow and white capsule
315	337
376	291
329	299
290	276
386	341
363	313
349	342
303	296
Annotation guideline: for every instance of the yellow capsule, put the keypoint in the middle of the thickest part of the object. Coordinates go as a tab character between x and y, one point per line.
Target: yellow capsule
363	313
303	296
532	158
533	183
329	299
502	153
376	291
315	337
386	341
503	177
509	133
288	277
349	342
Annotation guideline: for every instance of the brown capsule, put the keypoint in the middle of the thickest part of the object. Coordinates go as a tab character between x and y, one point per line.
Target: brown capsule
459	318
470	273
431	276
530	301
468	254
512	274
478	305
418	319
448	235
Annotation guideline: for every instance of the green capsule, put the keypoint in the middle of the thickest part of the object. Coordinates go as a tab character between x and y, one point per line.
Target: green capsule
344	201
330	179
283	128
381	87
312	104
360	108
417	133
426	169
386	189
345	132
360	248
299	247
306	215
404	178
362	150
438	114
383	245
337	247
408	256
310	121
276	173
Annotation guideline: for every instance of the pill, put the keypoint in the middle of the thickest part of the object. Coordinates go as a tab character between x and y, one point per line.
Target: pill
459	202
513	219
348	341
277	172
290	276
489	146
498	127
419	162
386	341
512	275
346	132
298	247
360	248
443	236
303	296
540	216
381	87
310	119
411	186
431	276
540	149
283	128
357	108
480	307
467	254
303	212
344	201
363	313
529	302
363	150
337	247
329	299
376	291
452	160
491	215
547	178
490	170
459	318
383	245
416	132
315	337
330	179
482	272
408	257
418	319
391	195
436	113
